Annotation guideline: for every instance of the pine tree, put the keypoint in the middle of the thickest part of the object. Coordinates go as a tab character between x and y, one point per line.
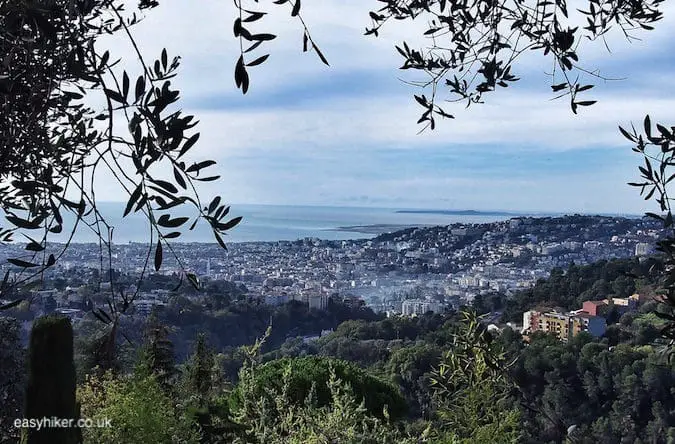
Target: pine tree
157	356
199	369
201	393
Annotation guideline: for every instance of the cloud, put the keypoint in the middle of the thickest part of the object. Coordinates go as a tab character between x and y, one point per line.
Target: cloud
307	133
514	120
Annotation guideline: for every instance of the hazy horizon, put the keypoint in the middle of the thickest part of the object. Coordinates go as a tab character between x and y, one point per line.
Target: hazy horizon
514	211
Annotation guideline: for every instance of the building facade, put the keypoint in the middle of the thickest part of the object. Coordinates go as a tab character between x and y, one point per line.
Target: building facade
564	325
412	307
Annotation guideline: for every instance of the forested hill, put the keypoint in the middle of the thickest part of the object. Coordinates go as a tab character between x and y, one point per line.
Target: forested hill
569	288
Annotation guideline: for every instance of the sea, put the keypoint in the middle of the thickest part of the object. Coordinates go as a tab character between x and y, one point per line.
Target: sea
268	223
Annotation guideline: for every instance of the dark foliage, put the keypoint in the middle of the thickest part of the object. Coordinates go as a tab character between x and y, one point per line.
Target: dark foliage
240	323
657	148
474	45
568	289
12	378
157	355
252	41
612	394
50	389
52	145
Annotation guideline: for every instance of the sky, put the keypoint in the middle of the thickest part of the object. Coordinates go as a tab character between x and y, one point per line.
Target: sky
307	134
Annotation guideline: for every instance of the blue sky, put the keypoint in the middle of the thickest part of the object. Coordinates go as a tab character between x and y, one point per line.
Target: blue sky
346	134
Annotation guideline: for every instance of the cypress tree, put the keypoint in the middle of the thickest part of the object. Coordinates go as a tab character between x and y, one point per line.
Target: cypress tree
157	356
51	385
197	386
200	368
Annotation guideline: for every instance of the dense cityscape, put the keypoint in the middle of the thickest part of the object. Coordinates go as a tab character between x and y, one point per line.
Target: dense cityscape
411	271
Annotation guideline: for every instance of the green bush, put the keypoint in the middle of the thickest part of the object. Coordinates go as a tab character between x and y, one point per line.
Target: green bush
138	409
279	419
306	371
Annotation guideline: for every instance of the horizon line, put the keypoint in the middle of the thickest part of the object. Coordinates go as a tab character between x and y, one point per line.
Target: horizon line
507	212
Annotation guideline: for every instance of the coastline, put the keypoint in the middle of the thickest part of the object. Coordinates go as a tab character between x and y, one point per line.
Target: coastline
378	228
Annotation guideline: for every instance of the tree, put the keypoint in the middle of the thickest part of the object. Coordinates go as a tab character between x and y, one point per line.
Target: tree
138	409
471	387
201	392
311	374
481	41
410	367
345	419
12	356
285	415
157	357
53	144
51	382
474	45
96	353
199	368
657	147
